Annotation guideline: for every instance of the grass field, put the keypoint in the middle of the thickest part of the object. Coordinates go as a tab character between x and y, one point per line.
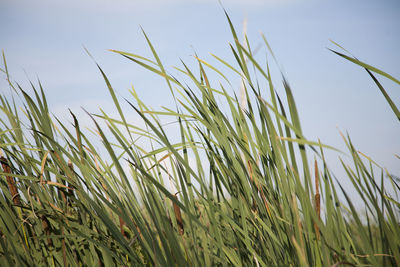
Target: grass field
230	186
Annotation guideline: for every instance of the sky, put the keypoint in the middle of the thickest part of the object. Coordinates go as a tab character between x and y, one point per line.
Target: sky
46	40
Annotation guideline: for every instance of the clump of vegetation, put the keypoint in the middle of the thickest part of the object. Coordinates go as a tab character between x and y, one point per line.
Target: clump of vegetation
244	192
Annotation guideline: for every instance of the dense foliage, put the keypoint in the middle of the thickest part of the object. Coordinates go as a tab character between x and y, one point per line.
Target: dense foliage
233	187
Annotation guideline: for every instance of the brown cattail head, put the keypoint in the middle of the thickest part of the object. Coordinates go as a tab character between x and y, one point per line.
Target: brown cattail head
121	226
11	182
178	217
46	228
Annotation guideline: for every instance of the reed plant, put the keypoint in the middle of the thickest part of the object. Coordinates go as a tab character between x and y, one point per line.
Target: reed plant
232	184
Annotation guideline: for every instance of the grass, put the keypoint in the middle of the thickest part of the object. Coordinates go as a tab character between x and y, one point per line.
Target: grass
233	187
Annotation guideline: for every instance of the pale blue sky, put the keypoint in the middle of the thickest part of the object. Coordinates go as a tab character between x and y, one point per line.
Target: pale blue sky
46	39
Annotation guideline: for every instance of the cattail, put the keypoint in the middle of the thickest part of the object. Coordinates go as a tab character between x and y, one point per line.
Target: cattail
121	227
264	199
178	217
46	228
11	182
